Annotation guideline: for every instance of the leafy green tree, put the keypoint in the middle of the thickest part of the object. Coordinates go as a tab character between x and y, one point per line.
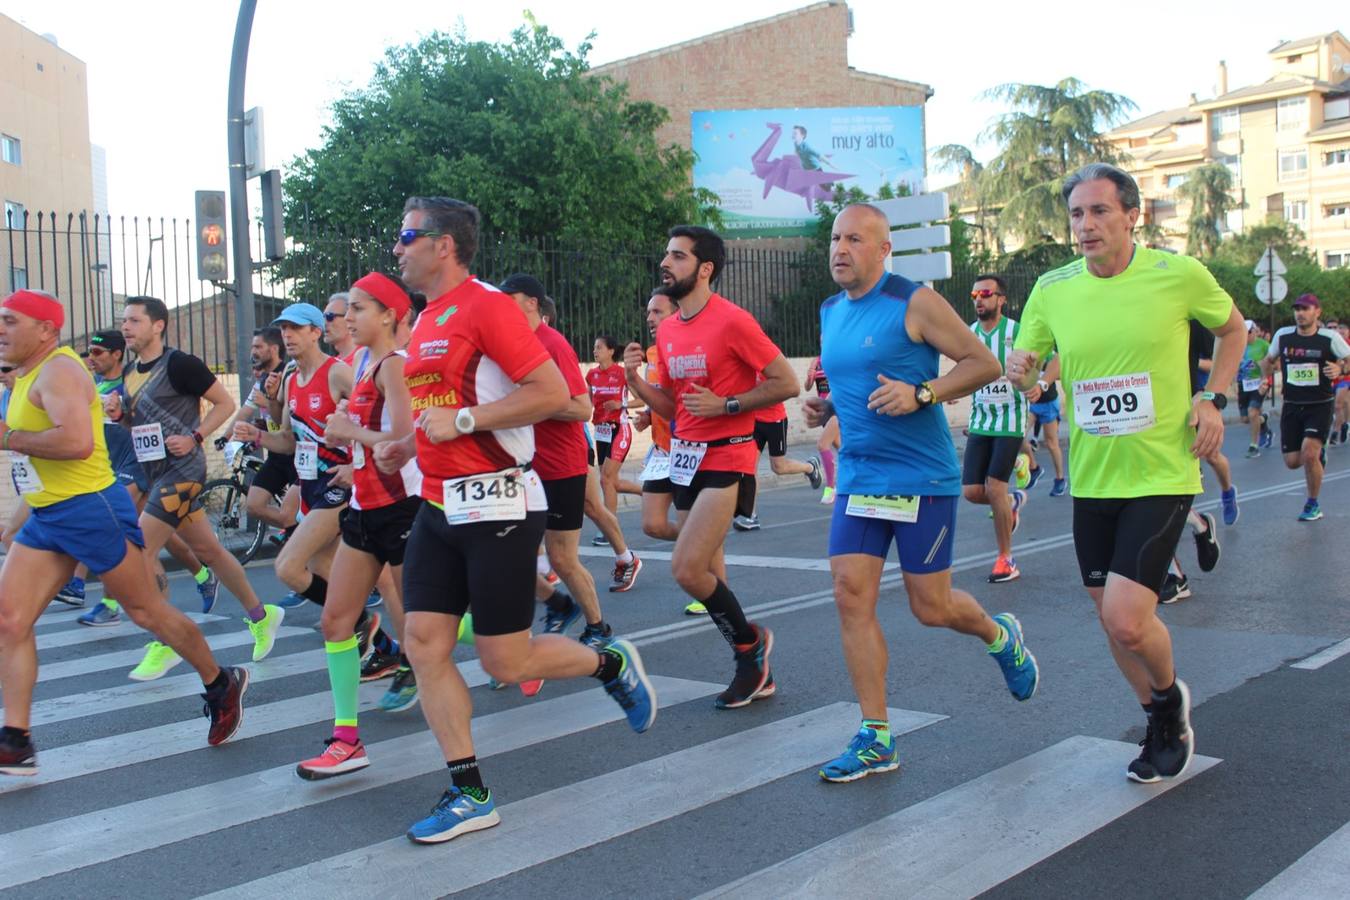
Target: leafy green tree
1286	237
1208	188
1051	131
971	192
520	129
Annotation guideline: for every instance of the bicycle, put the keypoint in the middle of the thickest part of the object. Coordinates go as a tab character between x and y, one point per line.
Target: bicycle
224	501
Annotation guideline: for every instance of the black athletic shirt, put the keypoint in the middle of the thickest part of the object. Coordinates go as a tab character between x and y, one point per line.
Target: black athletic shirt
188	375
1319	348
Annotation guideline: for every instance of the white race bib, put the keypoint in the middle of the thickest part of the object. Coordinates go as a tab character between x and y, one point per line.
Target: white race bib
1000	391
307	460
1303	374
358	448
1251	384
25	476
503	496
604	432
148	442
685	457
890	508
657	467
1114	405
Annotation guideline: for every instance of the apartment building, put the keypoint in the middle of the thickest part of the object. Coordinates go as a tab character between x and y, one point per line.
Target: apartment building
1286	141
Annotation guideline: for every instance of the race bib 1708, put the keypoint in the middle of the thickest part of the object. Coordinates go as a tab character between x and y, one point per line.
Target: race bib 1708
1114	405
148	442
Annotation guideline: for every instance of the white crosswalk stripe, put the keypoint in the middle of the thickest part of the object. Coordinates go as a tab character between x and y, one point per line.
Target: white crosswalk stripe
958	843
70	637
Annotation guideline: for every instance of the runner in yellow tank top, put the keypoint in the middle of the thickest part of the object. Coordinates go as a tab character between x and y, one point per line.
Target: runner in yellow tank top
54	439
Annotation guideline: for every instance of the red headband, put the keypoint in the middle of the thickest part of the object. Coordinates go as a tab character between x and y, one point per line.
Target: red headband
36	306
387	291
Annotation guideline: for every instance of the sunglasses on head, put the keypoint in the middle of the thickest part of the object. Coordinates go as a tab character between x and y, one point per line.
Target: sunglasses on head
408	235
981	295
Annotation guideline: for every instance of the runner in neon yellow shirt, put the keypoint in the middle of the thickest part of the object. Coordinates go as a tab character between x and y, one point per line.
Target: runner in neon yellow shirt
1120	320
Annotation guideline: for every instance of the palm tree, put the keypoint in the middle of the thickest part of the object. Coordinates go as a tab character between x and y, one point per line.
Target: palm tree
1208	188
1051	132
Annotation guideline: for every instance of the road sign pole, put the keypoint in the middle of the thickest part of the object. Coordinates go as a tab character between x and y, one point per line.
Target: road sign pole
243	263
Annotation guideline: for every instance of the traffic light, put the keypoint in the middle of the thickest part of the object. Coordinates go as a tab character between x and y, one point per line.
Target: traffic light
211	254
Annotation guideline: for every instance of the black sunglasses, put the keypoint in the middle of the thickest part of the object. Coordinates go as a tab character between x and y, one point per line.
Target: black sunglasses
328	317
408	235
5	370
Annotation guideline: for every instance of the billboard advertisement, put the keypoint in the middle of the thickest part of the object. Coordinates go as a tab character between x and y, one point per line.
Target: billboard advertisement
771	166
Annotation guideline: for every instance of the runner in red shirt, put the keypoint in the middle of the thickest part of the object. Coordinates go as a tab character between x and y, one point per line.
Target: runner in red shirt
376	524
771	430
613	435
709	358
479	379
560	460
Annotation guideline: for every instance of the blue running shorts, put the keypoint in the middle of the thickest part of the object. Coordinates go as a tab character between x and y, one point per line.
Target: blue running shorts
93	528
925	545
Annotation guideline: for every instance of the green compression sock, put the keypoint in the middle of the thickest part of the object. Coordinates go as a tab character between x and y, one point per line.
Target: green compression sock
344	677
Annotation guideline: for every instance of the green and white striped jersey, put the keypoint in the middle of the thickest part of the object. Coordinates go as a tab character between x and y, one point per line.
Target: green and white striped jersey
998	408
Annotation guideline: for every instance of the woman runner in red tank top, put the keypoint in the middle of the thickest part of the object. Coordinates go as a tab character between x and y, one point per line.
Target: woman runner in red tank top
613	433
375	526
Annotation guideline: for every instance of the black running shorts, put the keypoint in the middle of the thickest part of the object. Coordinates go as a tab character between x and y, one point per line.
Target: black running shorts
989	456
276	474
1304	420
486	568
686	494
382	532
566	503
772	435
1133	538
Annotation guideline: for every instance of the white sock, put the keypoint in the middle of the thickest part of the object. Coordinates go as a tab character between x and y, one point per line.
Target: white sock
625	557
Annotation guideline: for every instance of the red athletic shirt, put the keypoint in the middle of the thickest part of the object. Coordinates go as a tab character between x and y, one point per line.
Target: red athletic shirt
371	488
723	349
560	447
470	347
310	406
606	385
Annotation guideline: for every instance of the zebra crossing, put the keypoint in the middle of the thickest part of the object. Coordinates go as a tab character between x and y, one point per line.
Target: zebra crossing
959	842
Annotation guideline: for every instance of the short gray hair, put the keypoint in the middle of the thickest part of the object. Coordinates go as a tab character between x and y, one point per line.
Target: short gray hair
1126	189
452	217
341	295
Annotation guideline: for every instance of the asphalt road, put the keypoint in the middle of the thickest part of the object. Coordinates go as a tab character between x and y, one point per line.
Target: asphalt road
993	796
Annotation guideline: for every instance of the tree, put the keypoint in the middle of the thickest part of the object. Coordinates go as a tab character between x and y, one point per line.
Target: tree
1287	239
521	129
1208	189
971	191
1052	131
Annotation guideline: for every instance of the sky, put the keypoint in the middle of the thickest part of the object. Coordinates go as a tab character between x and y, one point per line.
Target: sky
158	70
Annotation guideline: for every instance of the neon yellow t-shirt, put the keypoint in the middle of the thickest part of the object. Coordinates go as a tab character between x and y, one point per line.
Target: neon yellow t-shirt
1124	351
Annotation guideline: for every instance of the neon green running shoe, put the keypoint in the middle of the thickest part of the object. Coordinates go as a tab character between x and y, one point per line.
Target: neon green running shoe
265	632
1022	470
159	658
465	635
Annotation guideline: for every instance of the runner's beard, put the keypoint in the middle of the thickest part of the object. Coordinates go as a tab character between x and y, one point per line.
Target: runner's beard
678	289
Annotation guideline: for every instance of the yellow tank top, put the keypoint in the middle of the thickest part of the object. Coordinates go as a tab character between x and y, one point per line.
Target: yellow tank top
60	479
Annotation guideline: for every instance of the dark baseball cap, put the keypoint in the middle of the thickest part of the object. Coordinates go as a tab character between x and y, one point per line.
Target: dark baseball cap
521	283
108	340
1308	300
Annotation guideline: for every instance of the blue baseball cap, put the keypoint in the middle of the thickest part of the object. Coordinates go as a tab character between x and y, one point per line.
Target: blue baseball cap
301	314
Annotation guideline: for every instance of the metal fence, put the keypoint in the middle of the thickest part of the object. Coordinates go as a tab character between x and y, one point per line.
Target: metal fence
93	263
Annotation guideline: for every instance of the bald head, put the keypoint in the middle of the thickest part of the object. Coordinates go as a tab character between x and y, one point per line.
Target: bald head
860	244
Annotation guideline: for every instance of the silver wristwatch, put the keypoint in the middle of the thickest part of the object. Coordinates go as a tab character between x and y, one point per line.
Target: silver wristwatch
464	421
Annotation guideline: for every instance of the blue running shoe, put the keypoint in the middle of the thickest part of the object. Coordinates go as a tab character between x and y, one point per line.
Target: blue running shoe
208	590
402	694
455	813
374	599
864	755
559	622
1019	666
72	594
1312	511
291	601
1230	507
1060	487
596	636
631	689
1035	476
102	614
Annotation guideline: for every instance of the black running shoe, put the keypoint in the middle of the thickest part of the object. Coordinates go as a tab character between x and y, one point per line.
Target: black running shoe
16	760
753	679
225	707
1141	768
379	665
1207	544
1174	589
1168	744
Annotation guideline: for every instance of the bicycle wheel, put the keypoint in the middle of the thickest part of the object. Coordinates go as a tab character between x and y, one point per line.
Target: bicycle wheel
238	532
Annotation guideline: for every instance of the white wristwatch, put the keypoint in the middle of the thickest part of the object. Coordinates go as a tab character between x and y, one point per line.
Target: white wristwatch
464	421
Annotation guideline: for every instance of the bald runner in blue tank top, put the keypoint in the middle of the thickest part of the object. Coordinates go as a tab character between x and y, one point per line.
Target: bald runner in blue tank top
906	456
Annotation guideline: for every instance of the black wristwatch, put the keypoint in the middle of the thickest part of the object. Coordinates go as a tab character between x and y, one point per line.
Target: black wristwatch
1219	400
733	406
924	396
